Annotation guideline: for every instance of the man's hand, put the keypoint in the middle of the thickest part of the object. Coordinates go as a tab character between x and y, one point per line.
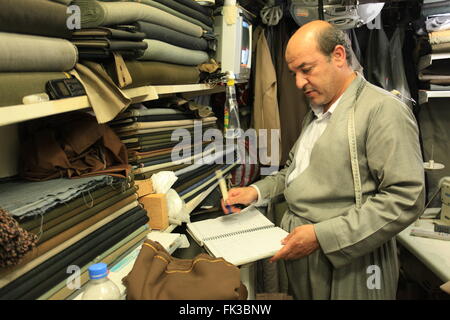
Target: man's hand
244	196
302	241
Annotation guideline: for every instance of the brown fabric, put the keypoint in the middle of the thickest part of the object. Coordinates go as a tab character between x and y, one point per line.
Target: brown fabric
158	276
74	146
265	106
15	242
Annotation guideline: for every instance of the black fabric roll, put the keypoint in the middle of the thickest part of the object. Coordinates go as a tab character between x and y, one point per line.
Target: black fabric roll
194	5
157	32
51	272
187	11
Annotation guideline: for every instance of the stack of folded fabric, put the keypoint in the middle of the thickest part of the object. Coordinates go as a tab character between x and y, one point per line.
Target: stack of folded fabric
76	222
153	142
437	31
34	48
147	133
103	43
178	35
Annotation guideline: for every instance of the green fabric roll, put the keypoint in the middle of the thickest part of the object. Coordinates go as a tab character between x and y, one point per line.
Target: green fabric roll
96	14
158	73
84	215
15	85
38	17
76	211
165	52
86	201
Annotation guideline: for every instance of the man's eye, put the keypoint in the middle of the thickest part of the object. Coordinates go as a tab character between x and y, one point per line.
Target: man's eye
306	71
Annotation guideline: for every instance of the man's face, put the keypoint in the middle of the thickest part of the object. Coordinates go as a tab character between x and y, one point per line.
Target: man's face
314	73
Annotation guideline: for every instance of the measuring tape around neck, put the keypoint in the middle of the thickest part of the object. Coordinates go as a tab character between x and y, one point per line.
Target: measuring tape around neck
354	149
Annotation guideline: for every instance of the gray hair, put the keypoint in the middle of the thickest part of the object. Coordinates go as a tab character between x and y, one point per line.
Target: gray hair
329	38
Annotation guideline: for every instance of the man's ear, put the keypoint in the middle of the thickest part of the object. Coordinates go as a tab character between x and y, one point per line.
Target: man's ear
339	55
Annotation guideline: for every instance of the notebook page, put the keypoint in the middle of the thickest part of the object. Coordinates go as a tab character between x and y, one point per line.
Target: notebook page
247	247
248	218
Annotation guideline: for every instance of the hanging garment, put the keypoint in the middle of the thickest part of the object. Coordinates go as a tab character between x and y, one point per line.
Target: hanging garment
164	52
385	67
265	106
96	14
205	23
15	241
48	54
71	147
292	102
37	17
351	239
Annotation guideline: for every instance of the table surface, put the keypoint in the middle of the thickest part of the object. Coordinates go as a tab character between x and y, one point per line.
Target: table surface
434	253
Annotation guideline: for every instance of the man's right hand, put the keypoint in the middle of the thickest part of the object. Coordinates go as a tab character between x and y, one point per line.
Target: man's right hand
245	196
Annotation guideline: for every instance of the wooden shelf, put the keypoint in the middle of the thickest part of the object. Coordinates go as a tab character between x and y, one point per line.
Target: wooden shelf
428	59
424	95
20	113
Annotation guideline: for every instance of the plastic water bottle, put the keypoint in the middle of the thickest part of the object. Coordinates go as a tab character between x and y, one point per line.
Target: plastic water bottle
231	111
99	286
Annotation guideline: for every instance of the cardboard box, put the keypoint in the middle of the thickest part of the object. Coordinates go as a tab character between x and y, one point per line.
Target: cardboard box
156	207
145	187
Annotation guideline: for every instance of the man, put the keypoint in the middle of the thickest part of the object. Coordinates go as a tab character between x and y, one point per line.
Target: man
342	239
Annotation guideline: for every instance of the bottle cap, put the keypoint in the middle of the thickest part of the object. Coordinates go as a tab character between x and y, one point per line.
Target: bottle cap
98	271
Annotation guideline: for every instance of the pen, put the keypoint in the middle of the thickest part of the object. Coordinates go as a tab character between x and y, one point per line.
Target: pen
223	189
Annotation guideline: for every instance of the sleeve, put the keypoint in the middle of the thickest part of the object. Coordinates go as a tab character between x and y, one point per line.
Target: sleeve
395	161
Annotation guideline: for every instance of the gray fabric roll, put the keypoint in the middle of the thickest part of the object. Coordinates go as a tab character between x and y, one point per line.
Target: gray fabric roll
175	13
24	53
164	52
24	198
187	11
197	7
157	32
96	14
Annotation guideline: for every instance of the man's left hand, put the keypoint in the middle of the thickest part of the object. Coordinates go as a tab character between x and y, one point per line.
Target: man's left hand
301	242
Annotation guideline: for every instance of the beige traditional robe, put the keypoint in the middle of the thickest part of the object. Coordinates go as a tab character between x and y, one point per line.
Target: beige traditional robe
354	243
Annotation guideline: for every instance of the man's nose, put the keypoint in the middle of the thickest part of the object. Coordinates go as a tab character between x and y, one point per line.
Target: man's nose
300	81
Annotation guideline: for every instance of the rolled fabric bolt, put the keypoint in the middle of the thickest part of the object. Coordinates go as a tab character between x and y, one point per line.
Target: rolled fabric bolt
223	189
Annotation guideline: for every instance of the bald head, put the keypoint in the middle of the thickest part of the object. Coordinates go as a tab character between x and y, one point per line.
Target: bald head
318	35
319	56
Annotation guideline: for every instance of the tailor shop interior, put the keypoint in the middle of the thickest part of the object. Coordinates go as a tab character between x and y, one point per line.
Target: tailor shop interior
109	107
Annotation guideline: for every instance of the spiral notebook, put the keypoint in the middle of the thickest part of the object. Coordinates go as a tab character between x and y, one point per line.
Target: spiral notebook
239	238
